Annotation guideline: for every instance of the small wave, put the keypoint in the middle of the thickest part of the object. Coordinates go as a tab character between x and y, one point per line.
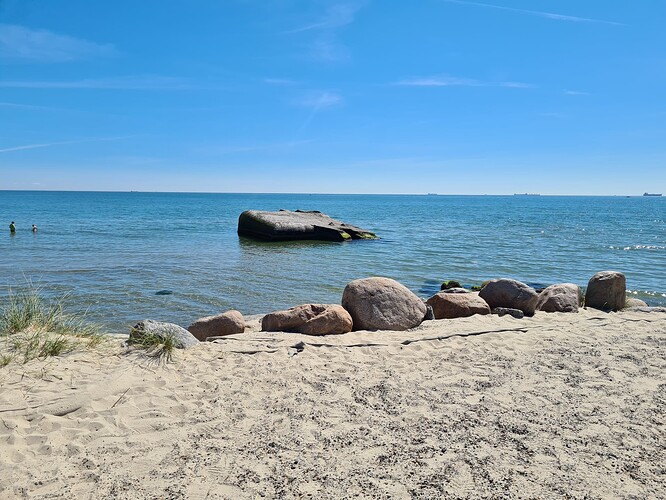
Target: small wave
638	247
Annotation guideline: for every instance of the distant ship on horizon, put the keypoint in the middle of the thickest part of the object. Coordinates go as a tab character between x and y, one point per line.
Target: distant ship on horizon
527	194
651	194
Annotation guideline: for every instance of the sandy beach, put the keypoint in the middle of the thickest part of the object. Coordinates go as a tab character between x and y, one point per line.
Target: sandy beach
558	405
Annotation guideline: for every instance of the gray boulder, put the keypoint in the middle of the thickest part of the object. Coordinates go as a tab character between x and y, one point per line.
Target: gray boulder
565	297
310	319
182	338
446	305
382	304
504	311
606	290
226	323
510	293
631	302
299	225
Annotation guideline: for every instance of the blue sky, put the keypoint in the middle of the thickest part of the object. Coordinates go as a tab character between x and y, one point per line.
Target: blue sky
446	96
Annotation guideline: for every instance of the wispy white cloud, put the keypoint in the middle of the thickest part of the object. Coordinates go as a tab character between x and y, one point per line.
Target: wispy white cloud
438	81
320	100
576	92
317	101
284	82
326	46
116	83
453	81
547	15
14	105
329	49
336	16
251	148
22	43
60	143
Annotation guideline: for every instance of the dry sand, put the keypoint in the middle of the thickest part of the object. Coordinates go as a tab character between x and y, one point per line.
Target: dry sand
559	405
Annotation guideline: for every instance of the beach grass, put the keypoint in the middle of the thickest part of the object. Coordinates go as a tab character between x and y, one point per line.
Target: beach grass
160	347
32	327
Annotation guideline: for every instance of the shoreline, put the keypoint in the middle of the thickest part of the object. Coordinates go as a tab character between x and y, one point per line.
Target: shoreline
554	405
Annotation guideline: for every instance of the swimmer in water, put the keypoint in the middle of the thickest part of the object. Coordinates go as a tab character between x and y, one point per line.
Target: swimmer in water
12	228
34	228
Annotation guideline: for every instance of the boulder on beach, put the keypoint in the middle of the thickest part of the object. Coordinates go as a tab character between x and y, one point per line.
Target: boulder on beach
310	319
565	297
161	330
227	323
606	290
630	303
447	305
382	304
510	293
299	225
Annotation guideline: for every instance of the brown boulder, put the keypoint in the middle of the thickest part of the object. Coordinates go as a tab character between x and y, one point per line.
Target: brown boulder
565	297
447	305
510	293
311	319
226	323
607	291
382	304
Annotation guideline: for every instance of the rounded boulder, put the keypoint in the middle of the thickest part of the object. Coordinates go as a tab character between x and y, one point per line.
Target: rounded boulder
220	325
181	338
310	319
447	305
607	291
510	293
382	304
565	297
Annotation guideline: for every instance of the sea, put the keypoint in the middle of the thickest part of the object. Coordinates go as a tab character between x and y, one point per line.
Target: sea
120	257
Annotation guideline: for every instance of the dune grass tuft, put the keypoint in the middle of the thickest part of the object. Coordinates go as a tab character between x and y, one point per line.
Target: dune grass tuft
32	327
161	347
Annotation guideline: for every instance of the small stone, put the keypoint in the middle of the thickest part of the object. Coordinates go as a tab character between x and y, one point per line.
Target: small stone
503	311
450	284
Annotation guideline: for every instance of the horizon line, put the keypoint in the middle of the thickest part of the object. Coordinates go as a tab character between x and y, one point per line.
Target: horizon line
531	195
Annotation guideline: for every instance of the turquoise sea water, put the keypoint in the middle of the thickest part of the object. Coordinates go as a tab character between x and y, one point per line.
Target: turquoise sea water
111	252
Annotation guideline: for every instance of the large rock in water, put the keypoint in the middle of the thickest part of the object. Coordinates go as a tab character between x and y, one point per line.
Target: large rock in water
299	225
565	297
382	304
182	338
447	305
607	291
226	323
510	293
311	319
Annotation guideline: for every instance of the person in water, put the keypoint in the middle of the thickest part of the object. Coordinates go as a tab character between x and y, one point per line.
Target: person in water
12	228
34	228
